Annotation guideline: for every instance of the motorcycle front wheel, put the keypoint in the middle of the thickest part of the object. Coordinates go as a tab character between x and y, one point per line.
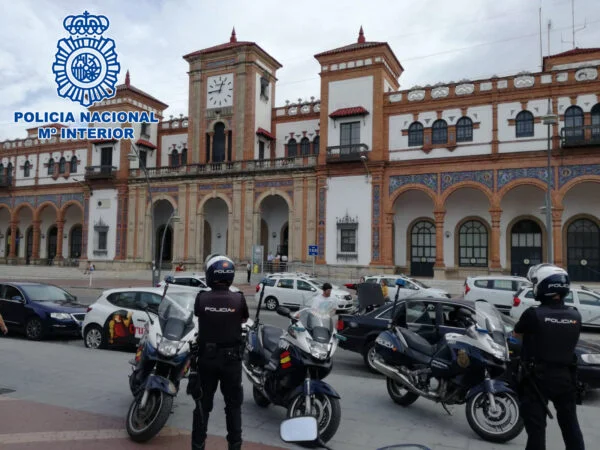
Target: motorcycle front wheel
501	425
327	411
144	424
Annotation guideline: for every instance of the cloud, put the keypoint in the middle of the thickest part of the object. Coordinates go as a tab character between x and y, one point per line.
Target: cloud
435	40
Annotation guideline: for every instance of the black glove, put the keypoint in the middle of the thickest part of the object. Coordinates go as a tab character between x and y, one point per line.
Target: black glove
193	387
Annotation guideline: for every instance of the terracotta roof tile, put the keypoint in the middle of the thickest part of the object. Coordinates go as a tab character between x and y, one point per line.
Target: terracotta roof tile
347	112
145	143
265	133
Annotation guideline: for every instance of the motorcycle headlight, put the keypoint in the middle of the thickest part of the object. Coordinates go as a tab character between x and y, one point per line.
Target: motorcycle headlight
168	348
591	358
318	350
60	316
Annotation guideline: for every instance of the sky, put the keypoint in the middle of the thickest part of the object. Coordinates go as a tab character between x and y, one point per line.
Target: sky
435	40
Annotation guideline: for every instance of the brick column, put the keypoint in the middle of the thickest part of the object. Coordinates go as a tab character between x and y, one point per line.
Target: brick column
387	250
557	237
439	239
35	254
12	253
496	215
60	226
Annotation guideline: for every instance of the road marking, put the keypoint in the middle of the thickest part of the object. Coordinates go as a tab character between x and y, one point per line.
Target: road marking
84	435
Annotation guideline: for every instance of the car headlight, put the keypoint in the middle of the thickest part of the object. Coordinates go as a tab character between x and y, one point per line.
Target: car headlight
168	348
61	316
591	358
318	350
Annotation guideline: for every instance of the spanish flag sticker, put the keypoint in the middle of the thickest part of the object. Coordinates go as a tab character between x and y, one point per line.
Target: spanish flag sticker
285	360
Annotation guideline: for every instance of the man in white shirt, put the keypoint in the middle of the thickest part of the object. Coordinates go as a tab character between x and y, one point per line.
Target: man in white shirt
324	302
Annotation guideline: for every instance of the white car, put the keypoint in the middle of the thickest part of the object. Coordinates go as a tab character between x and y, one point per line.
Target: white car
412	288
298	292
193	280
304	276
117	317
585	300
498	290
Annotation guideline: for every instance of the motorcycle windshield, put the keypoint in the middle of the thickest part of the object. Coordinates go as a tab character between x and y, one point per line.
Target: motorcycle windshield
318	323
490	319
176	314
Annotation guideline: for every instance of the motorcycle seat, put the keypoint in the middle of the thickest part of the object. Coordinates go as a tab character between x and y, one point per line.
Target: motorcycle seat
417	342
271	337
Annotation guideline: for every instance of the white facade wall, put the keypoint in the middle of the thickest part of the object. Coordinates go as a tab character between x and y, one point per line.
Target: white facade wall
538	141
97	153
408	207
284	130
262	117
20	178
581	199
346	94
461	204
350	195
216	214
180	142
107	210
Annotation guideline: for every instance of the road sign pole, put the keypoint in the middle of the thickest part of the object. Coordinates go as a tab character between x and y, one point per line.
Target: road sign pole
313	271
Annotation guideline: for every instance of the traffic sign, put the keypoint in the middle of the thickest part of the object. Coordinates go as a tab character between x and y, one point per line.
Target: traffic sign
313	250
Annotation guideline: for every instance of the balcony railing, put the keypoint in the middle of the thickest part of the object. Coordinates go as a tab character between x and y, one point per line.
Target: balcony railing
347	153
100	172
259	165
580	136
5	182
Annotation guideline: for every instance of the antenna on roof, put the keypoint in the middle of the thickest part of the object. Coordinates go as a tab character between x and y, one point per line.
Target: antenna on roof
573	29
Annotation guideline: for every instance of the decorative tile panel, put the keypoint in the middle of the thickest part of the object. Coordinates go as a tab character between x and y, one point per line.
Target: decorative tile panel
376	220
164	189
426	179
588	73
64	198
278	183
505	176
54	199
321	236
485	177
567	173
6	201
464	89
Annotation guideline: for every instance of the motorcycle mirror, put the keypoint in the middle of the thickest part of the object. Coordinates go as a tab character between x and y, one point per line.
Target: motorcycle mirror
169	279
299	429
283	311
400	282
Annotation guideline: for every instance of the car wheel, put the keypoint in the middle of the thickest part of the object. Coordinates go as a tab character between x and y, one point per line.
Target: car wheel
94	337
34	329
271	303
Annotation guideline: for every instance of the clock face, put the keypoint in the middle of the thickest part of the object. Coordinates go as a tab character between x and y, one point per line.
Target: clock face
219	91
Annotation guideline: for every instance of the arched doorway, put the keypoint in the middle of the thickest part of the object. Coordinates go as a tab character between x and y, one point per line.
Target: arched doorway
583	250
216	215
29	245
167	249
75	242
51	242
207	239
422	249
526	246
7	243
274	220
284	241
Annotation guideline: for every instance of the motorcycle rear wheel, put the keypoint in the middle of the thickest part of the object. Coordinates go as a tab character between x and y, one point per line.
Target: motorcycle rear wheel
327	411
399	393
508	416
143	425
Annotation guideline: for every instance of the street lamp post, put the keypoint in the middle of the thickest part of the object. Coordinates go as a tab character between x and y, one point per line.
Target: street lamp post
174	218
133	156
549	119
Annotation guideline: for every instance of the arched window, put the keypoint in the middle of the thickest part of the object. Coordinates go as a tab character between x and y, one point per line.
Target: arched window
62	165
218	152
175	158
596	121
415	134
439	132
184	157
50	167
464	130
524	124
292	148
73	168
27	169
9	172
316	142
574	122
473	244
305	146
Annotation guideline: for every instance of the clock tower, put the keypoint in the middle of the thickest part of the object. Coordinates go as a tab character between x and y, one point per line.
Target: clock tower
231	96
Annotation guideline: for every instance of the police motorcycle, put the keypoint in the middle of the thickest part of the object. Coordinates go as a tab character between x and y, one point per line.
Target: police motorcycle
459	369
163	358
294	380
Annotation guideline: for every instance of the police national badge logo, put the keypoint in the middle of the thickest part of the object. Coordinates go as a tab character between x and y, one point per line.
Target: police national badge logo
85	65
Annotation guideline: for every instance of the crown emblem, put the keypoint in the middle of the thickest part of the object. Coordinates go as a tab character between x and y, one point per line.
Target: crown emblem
86	24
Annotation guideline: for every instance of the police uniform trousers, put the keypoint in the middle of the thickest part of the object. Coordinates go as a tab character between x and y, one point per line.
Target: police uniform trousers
555	384
222	366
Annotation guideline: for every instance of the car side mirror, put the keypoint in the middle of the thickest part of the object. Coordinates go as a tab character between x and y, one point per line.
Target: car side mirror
283	311
17	298
313	289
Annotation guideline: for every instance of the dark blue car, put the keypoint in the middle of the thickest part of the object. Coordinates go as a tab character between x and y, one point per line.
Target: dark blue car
40	310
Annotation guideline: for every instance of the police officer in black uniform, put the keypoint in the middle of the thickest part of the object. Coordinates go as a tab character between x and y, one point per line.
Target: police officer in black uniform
550	333
221	314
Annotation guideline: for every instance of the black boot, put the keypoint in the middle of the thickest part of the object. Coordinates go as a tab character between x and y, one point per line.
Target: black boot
234	446
198	446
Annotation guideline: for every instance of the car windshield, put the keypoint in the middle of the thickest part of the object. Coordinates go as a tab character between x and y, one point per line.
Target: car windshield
177	305
46	293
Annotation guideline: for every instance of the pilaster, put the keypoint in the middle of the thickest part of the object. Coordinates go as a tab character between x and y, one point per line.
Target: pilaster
235	235
192	226
557	237
439	239
297	215
60	228
496	215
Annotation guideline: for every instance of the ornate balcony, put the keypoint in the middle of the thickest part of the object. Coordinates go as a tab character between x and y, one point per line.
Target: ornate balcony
234	167
100	172
580	136
347	153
